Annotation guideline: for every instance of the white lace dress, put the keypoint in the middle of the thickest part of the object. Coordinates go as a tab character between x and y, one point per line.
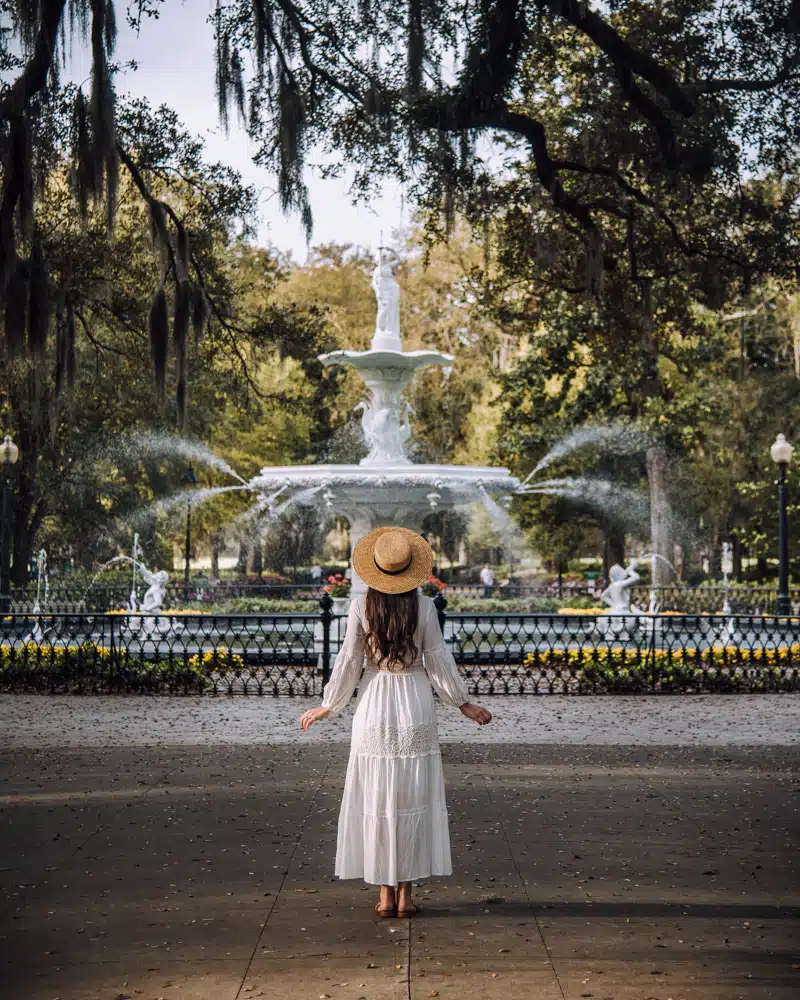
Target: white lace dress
393	820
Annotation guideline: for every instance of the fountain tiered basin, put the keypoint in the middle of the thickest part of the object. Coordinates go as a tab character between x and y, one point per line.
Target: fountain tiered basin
378	494
386	487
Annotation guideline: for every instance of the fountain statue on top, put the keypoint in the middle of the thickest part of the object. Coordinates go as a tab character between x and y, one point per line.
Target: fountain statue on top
387	321
386	370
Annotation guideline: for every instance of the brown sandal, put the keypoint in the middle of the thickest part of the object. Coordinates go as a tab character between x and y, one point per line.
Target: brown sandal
388	911
408	911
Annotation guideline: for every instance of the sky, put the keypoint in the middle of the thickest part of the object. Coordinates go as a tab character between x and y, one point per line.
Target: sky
175	57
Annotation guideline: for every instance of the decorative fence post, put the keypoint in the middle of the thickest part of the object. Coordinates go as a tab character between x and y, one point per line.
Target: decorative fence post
440	603
326	617
655	669
112	652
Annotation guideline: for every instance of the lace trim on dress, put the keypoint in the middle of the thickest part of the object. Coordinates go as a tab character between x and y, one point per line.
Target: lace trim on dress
392	816
394	741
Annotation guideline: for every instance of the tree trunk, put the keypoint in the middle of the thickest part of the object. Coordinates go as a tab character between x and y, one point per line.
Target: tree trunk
613	549
660	515
738	556
215	547
244	558
28	516
616	546
256	563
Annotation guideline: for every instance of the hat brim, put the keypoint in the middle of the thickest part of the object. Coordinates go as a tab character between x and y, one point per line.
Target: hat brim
418	571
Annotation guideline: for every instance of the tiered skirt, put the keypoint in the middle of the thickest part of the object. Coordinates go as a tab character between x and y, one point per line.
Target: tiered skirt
393	824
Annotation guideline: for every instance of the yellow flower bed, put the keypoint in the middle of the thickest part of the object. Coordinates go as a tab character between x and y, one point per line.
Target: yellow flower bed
112	667
583	611
711	655
716	669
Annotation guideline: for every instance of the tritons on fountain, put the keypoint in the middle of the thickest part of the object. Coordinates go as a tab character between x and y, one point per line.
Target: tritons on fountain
386	487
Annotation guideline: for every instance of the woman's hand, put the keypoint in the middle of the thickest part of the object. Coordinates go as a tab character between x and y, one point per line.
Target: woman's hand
477	713
313	715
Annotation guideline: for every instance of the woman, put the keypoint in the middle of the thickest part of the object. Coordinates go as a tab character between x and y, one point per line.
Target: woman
393	822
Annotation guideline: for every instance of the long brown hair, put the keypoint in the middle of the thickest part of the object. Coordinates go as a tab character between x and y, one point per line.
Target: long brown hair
391	622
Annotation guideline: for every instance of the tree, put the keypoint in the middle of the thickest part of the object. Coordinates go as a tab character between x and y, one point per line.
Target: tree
593	362
74	404
700	92
294	539
651	150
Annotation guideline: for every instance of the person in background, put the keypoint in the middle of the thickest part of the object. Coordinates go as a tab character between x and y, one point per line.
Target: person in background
487	579
316	574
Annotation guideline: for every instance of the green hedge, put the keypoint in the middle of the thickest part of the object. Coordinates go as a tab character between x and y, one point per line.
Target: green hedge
459	603
253	606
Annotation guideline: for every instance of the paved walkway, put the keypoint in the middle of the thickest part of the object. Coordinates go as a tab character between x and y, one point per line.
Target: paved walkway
202	870
637	720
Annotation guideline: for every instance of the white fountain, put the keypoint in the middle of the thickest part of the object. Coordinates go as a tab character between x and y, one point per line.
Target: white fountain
386	487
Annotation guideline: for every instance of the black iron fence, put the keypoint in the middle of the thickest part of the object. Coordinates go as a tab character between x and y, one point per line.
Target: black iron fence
739	600
69	599
293	654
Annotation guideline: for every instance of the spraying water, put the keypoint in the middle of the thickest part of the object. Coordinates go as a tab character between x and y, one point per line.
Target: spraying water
166	505
112	562
613	439
514	544
166	446
132	599
653	556
626	505
41	577
300	498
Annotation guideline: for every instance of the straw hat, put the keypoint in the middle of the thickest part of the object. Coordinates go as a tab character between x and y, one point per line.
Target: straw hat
393	560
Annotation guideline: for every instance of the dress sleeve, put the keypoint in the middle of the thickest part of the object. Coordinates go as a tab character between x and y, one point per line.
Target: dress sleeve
347	667
439	663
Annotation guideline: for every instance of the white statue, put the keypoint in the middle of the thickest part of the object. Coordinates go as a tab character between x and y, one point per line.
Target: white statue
386	427
156	589
617	594
387	292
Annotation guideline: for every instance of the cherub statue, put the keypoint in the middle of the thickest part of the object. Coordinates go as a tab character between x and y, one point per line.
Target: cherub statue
617	594
154	595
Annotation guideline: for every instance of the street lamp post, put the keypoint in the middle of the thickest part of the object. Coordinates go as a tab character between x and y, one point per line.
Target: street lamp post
781	452
9	453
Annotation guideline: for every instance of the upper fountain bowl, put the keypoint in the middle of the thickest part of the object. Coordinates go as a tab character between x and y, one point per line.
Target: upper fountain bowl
380	357
386	494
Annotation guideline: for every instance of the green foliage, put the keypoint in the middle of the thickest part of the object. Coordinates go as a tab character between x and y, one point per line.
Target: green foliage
458	603
254	606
